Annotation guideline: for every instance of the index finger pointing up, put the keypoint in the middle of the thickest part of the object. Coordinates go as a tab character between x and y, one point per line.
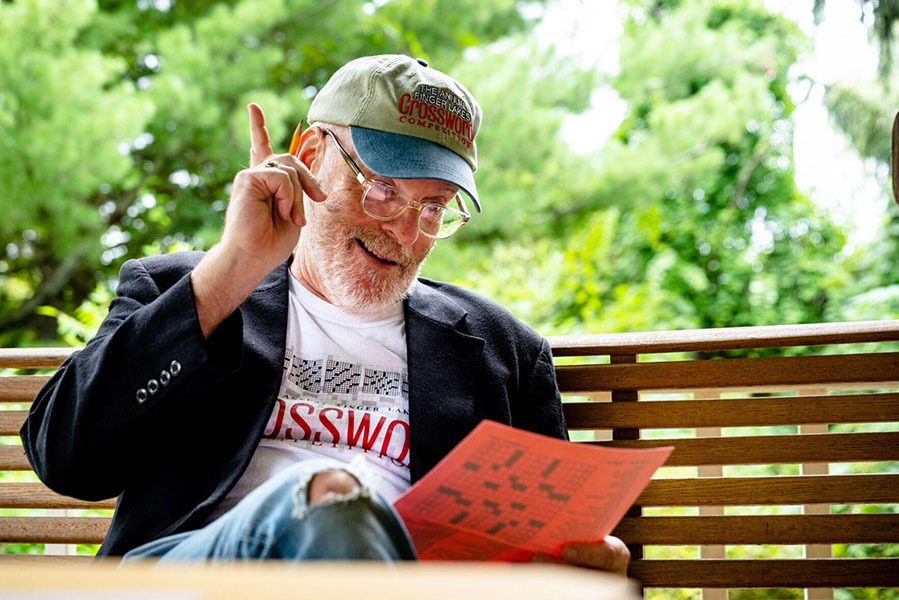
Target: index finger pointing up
261	143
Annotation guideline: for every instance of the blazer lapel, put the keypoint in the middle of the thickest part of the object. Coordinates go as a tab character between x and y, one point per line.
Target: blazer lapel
445	370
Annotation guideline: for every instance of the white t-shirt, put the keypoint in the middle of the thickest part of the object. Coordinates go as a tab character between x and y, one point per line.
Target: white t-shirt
344	395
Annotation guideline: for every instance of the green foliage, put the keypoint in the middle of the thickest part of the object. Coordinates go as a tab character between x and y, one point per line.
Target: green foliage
864	112
672	594
21	548
527	174
884	13
50	154
122	125
765	593
77	329
690	216
866	594
719	178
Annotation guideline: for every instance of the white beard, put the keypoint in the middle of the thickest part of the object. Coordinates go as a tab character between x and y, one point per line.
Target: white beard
329	242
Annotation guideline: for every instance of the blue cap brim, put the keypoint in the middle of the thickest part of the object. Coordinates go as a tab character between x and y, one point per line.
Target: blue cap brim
406	157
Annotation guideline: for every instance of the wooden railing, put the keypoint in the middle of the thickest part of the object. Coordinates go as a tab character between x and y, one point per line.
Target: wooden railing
704	504
627	390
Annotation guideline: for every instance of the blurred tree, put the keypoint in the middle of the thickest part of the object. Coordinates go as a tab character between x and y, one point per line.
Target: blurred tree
144	102
690	216
528	178
882	14
55	159
864	112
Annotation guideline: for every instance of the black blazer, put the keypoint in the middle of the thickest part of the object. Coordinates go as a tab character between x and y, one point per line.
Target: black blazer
172	455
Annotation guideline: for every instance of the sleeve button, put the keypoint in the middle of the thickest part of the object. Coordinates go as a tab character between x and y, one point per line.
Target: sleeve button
175	368
141	396
164	377
152	386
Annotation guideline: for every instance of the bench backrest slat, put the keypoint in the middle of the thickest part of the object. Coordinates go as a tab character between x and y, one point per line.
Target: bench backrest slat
12	458
44	559
11	421
725	338
37	495
773	449
740	373
21	388
805	573
761	529
33	358
54	530
737	412
780	490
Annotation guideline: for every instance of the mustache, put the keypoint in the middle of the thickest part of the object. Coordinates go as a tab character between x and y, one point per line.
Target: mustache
383	246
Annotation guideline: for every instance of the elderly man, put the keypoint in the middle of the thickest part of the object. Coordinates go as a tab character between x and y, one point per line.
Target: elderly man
272	397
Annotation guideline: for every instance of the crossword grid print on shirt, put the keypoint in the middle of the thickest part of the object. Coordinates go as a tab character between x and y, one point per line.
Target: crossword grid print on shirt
329	403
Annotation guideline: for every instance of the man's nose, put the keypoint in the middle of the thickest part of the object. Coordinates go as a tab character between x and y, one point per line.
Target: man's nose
404	228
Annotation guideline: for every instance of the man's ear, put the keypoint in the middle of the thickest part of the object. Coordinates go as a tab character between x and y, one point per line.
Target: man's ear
312	148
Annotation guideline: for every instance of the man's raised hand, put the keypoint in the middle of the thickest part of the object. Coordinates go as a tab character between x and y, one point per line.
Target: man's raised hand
262	227
265	212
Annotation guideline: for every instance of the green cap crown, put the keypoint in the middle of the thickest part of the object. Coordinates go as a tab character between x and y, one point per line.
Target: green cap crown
401	95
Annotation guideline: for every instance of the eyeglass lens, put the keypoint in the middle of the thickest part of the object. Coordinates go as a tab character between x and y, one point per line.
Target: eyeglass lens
383	202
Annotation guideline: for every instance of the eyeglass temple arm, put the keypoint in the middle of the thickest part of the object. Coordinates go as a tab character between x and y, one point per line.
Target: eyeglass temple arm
346	158
466	216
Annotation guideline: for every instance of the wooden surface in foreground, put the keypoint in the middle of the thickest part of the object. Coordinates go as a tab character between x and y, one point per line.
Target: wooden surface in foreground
336	581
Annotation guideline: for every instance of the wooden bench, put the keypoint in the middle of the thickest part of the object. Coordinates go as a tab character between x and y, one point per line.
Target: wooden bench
789	480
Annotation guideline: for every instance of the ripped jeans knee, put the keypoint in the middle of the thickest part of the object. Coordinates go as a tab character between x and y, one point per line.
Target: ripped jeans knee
302	492
277	521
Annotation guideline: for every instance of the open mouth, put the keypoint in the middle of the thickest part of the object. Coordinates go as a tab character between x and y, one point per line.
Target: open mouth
385	261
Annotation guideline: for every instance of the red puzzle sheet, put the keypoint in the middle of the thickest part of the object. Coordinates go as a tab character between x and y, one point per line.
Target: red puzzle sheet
505	494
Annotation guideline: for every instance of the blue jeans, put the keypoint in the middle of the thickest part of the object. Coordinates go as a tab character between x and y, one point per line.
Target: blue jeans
275	521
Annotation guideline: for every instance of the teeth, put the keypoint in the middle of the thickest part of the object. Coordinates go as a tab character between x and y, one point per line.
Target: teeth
364	245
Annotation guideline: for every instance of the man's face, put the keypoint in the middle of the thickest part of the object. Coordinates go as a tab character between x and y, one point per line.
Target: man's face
358	262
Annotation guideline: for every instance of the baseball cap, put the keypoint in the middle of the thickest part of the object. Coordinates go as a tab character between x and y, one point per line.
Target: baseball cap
407	120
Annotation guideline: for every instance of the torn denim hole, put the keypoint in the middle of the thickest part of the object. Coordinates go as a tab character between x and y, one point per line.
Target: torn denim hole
301	505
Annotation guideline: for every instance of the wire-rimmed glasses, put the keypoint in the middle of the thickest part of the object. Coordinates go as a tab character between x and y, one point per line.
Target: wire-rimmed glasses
384	202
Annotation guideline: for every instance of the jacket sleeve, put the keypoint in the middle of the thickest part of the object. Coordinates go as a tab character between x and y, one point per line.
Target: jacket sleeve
543	404
104	408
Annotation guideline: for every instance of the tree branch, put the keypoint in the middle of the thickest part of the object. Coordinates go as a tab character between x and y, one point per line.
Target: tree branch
49	289
746	176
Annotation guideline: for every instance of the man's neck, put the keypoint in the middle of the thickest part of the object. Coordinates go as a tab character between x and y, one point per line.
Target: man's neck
302	272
